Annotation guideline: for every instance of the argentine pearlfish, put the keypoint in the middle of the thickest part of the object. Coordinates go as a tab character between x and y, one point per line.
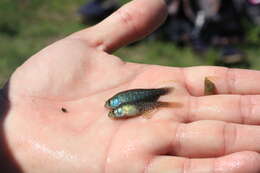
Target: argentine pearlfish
136	95
127	110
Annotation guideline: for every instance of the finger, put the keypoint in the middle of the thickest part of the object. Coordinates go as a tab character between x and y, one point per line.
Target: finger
131	22
243	109
234	163
214	138
227	81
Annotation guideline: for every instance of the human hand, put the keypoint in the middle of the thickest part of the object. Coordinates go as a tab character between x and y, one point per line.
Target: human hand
218	133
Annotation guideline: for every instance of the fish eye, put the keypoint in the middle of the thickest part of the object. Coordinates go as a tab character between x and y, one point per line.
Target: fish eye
111	103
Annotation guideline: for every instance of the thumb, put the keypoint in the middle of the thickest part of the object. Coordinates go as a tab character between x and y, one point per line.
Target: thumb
131	22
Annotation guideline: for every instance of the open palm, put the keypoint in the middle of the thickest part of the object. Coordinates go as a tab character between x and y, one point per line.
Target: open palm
57	121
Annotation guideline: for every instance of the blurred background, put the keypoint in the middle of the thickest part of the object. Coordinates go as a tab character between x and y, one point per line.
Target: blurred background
202	32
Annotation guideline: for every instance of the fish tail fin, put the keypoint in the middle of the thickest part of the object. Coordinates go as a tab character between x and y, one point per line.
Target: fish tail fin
167	90
168	104
209	87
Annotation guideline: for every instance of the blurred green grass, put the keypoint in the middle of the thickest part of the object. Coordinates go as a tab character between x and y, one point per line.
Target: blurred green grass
27	26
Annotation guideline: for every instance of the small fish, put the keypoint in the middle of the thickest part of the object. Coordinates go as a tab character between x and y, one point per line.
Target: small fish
128	110
136	95
209	87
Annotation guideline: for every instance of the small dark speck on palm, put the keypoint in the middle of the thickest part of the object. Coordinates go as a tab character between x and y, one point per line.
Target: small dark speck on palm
64	110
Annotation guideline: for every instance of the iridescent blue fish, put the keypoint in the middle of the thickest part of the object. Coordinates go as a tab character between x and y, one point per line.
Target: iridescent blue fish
136	95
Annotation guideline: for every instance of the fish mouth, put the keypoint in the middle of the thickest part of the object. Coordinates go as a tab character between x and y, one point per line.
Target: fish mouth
107	105
111	115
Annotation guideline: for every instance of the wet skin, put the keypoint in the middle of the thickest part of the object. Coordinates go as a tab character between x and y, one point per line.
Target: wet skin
218	133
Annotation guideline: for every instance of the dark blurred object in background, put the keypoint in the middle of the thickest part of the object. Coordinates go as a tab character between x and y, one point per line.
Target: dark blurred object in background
96	10
252	9
222	24
206	23
232	57
203	23
9	28
177	27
